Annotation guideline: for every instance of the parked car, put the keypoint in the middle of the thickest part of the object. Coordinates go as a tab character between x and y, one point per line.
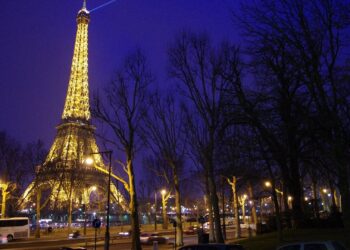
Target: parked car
213	247
313	245
148	238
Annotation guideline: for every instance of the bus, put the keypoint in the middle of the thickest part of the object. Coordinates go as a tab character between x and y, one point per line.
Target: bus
14	228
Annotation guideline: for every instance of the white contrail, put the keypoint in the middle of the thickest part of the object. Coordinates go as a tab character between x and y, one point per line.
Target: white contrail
103	5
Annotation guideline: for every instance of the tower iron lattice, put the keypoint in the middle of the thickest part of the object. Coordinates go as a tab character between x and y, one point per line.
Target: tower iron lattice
63	175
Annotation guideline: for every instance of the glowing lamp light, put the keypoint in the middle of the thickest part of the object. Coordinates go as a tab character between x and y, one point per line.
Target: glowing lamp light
267	184
89	161
163	191
290	198
324	190
93	188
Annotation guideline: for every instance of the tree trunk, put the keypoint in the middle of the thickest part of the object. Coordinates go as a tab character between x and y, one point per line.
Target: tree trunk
315	203
336	201
38	208
210	219
243	211
165	219
70	210
135	227
297	194
179	232
235	206
345	203
155	210
287	209
278	214
215	204
334	208
223	209
254	219
210	208
4	198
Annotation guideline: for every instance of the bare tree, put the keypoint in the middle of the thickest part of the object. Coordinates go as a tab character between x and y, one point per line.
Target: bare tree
161	176
34	155
164	129
196	64
303	41
239	164
12	173
233	185
123	113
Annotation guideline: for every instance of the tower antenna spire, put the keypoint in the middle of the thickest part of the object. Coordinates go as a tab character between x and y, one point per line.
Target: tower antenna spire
84	4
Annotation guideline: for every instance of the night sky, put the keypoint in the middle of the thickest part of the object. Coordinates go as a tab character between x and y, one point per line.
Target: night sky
36	49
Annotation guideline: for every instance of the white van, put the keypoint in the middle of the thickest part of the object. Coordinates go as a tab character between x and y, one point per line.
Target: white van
14	228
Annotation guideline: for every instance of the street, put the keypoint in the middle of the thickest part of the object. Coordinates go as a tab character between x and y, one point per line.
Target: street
55	243
84	242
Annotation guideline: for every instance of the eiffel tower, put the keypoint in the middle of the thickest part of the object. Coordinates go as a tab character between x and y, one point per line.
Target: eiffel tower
64	177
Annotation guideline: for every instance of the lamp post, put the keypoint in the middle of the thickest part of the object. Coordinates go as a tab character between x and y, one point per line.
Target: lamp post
90	161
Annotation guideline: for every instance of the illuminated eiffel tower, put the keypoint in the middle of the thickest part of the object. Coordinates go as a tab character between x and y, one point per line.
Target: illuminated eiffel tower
64	177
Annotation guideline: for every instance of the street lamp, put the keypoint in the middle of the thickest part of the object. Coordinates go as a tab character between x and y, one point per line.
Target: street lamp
90	161
290	198
267	184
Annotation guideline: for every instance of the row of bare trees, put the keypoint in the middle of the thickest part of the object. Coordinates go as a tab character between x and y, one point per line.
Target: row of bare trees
284	94
17	167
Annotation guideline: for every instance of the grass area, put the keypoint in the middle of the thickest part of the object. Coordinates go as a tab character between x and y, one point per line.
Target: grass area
269	241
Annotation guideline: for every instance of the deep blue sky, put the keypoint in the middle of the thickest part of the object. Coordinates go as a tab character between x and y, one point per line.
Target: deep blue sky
36	48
